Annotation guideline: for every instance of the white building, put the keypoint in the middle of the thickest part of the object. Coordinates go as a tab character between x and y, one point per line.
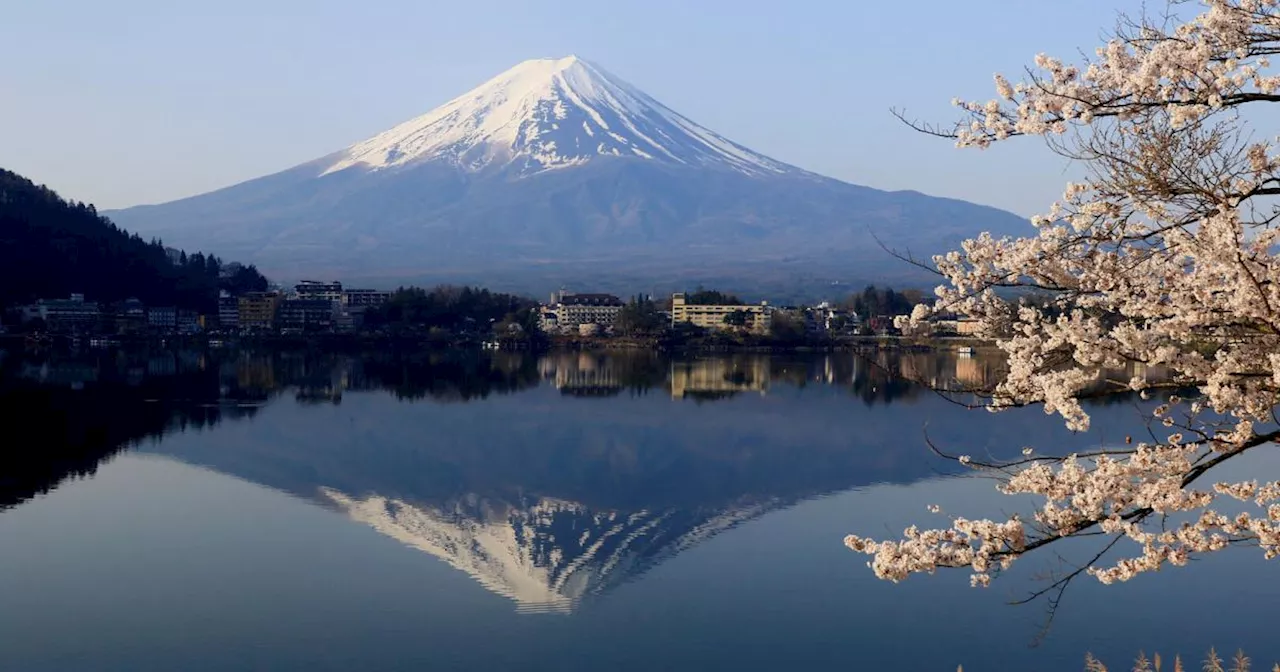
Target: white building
569	311
312	289
826	319
70	313
758	318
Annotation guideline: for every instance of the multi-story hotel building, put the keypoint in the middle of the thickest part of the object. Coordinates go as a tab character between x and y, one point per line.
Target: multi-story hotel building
228	312
758	316
312	289
363	298
258	310
569	311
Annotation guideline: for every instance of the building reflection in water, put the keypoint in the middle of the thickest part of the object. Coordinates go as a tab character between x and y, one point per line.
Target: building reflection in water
583	374
465	376
722	376
703	378
545	553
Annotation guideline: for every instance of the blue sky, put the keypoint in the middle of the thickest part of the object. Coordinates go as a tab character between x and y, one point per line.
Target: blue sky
142	101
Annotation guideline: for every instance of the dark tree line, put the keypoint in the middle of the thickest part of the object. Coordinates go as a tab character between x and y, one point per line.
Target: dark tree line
640	316
237	279
875	301
711	297
454	309
51	248
450	376
79	428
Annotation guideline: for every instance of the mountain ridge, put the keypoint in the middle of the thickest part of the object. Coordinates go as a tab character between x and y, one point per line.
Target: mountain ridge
556	162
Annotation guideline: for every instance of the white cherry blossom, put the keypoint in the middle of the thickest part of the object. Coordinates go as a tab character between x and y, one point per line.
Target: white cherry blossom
1164	257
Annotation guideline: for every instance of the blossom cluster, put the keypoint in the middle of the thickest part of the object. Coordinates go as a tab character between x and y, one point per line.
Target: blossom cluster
1165	258
1211	61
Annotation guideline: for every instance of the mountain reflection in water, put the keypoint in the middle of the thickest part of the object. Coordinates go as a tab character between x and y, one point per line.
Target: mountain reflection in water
548	496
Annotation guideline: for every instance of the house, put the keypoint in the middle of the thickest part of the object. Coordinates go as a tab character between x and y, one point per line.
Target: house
959	326
827	319
549	320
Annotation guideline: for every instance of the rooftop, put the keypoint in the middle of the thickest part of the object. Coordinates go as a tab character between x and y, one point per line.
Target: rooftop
590	300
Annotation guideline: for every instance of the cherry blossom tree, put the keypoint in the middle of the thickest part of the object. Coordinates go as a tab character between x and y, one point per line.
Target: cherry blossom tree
1166	255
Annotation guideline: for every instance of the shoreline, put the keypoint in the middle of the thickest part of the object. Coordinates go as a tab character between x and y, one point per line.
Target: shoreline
562	343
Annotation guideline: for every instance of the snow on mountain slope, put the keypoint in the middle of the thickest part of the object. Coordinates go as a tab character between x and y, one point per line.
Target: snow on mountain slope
552	113
546	555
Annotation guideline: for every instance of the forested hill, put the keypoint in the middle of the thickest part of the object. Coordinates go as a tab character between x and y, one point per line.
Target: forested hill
51	248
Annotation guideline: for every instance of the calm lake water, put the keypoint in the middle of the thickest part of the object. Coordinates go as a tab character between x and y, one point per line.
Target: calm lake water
291	511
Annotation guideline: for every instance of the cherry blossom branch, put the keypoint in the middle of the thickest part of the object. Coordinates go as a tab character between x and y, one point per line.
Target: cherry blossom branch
1164	257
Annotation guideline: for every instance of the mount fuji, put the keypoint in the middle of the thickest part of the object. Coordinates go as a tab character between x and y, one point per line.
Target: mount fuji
556	172
547	114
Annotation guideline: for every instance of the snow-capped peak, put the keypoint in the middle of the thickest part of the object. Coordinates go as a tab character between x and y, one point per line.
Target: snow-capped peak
551	113
545	554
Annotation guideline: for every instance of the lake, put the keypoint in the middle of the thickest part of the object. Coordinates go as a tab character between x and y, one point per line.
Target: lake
571	511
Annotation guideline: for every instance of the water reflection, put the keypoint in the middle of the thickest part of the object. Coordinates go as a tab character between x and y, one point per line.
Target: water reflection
546	555
444	377
549	501
876	377
65	417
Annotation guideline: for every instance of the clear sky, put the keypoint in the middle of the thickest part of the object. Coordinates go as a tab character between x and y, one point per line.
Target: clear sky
143	101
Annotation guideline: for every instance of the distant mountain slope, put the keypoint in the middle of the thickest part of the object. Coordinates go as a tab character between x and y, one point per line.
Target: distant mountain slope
554	162
50	248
